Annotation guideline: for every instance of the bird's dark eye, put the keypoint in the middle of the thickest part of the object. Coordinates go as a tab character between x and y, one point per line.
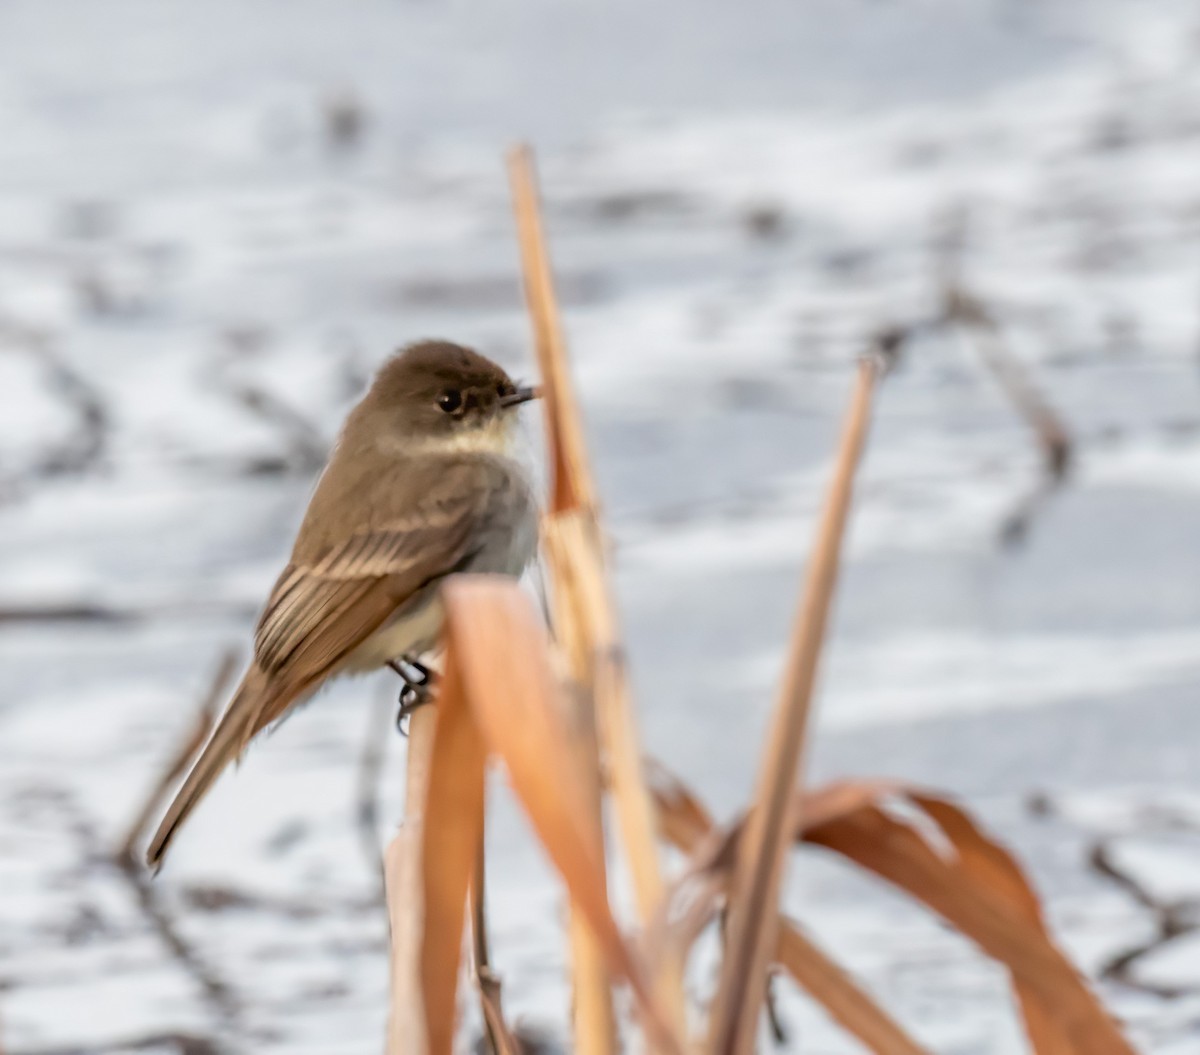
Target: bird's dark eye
504	389
450	400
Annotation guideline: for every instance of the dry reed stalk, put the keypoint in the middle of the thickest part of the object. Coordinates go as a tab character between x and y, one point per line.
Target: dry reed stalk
402	869
584	610
571	485
594	1023
499	1037
753	916
595	1026
594	1020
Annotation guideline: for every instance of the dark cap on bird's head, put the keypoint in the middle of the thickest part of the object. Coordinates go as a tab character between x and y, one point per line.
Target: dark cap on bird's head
440	388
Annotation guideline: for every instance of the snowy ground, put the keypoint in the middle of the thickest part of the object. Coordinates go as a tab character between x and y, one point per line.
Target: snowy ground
204	203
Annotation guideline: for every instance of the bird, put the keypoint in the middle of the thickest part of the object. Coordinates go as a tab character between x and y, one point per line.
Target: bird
425	481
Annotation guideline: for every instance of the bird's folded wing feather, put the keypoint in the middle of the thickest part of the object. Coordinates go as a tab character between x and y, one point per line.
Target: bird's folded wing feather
324	607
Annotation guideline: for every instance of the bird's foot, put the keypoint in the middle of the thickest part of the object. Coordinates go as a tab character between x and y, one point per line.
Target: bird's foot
419	684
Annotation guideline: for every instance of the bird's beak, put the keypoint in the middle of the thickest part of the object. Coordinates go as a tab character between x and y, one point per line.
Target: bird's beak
522	395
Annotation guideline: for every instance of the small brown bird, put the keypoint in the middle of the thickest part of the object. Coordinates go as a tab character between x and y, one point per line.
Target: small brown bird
424	482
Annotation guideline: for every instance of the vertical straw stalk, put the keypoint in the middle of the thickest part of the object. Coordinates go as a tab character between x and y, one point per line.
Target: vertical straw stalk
584	611
753	903
571	485
595	1026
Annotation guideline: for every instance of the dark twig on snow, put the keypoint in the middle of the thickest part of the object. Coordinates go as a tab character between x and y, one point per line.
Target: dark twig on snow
77	612
1172	920
127	862
186	751
86	444
888	342
370	770
85	447
180	1043
218	993
305	446
963	308
91	612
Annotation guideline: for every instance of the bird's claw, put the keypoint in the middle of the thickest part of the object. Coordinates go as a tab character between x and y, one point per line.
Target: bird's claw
419	683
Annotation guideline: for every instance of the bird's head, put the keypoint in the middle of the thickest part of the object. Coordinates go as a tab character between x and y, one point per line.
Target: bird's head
445	395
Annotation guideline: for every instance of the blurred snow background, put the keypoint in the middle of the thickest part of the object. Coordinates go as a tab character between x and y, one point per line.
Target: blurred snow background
216	219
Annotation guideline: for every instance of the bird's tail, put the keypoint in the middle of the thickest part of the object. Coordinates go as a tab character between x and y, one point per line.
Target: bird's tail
241	720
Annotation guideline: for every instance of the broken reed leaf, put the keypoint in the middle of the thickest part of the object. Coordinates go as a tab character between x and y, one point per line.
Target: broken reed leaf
687	824
683	820
712	851
495	643
452	832
403	885
585	613
980	890
693	899
571	482
754	895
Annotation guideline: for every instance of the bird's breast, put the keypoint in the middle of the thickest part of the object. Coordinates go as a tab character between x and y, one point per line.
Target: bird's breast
413	630
504	546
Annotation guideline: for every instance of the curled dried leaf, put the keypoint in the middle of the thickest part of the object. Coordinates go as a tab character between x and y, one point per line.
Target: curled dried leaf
687	824
975	885
939	855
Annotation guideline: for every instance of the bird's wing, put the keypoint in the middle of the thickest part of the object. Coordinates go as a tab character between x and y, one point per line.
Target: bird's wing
325	606
335	593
